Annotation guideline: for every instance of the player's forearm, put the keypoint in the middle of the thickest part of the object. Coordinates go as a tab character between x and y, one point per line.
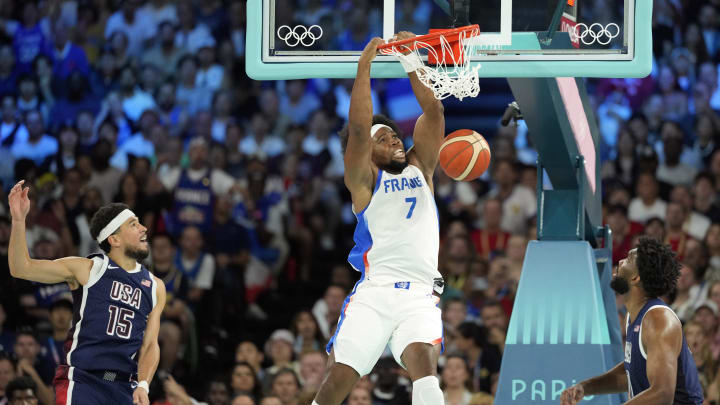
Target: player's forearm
425	97
654	396
611	382
148	362
18	256
361	109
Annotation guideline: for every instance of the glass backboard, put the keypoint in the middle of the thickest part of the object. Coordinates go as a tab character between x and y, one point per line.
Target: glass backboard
289	39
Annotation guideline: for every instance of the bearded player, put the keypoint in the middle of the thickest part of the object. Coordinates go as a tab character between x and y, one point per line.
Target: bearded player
396	245
658	366
112	350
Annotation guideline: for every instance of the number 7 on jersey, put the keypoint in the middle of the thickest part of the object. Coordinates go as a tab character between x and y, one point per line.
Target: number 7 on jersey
412	201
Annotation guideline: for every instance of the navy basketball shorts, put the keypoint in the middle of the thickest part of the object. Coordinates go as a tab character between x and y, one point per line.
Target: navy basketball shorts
74	386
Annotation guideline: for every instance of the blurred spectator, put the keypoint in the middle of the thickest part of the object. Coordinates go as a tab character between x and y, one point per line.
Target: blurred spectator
647	204
209	73
312	370
327	309
388	390
66	56
286	387
195	264
165	55
696	225
7	374
456	380
483	357
672	170
30	37
491	239
454	312
359	396
189	95
8	72
280	352
271	400
160	11
248	352
704	199
194	189
519	203
259	142
29	364
308	336
297	103
134	100
688	294
138	26
23	390
242	400
495	321
104	177
675	235
191	34
140	144
61	314
244	381
12	128
622	166
29	97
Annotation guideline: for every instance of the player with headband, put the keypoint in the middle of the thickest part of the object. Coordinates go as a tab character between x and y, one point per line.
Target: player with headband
112	350
396	244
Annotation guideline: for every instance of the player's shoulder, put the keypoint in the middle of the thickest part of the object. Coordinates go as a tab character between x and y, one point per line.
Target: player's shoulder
660	319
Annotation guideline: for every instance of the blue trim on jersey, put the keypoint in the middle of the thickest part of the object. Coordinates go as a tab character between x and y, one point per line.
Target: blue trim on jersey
329	345
362	237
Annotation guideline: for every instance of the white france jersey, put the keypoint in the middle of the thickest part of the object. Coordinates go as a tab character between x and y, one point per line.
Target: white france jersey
397	237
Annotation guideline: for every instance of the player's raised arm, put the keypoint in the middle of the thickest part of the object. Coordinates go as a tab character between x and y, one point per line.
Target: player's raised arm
429	130
359	148
150	350
662	338
68	269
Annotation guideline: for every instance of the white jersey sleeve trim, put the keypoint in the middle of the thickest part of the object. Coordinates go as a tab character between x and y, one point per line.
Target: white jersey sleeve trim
98	269
154	291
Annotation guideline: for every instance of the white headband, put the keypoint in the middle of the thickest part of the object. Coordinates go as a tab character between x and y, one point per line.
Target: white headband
114	224
376	128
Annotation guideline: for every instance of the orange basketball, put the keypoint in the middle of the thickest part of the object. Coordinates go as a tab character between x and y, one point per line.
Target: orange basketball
465	155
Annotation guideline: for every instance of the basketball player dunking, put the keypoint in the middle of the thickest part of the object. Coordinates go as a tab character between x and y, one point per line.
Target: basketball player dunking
117	306
658	366
396	245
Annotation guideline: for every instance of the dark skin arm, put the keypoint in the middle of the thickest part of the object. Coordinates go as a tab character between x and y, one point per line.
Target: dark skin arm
429	131
662	339
359	174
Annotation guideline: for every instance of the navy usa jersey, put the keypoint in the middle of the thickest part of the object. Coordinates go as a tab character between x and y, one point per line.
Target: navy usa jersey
687	388
110	316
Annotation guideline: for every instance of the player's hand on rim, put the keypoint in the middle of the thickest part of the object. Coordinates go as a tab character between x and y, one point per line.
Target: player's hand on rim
370	51
572	395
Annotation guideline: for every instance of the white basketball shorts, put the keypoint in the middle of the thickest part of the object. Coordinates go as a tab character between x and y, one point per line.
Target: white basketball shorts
374	316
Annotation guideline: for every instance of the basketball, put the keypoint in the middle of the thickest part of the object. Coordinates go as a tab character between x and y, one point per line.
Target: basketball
465	155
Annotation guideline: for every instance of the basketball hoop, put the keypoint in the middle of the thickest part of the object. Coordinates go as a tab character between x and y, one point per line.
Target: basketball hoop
450	72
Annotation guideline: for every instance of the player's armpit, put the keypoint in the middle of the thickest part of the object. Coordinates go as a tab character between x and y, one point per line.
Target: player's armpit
662	339
67	269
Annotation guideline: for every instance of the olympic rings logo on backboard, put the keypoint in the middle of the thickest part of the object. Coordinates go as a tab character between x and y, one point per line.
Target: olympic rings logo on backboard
299	35
595	33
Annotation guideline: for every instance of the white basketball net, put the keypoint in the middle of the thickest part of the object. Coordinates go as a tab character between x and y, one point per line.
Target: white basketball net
448	77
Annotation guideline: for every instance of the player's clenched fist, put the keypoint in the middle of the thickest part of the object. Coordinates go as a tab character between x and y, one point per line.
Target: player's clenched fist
572	395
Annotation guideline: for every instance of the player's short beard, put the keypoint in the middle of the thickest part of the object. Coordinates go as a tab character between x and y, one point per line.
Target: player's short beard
620	285
395	167
138	254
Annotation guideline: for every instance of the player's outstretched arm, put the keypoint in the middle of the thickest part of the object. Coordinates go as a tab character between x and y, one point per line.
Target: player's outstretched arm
150	350
429	130
359	148
68	269
662	338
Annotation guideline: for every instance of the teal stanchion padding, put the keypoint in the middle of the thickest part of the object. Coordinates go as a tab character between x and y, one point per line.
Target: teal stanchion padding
559	332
